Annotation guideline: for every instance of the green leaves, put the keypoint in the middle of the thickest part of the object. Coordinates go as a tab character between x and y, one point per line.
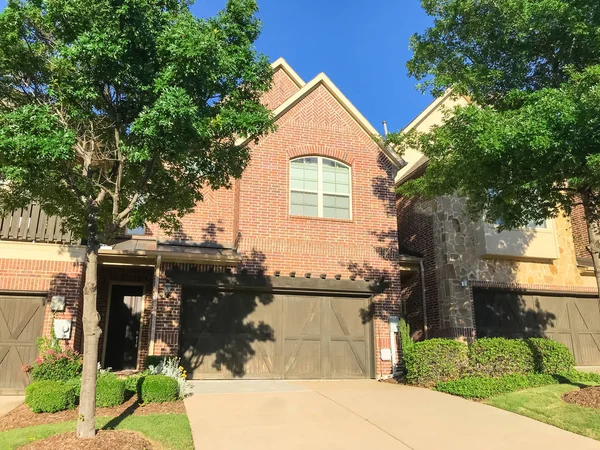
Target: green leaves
133	106
486	48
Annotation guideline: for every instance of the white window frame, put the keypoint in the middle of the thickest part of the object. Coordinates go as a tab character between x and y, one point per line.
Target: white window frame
319	190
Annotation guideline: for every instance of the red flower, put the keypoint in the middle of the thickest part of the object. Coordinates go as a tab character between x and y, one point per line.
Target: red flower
51	352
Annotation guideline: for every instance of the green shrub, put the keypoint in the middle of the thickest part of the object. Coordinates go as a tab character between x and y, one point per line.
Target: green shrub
435	360
110	390
496	357
551	356
159	388
132	382
405	337
49	396
485	387
575	376
75	383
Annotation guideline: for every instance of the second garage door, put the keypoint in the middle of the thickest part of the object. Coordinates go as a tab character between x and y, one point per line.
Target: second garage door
574	321
274	336
21	320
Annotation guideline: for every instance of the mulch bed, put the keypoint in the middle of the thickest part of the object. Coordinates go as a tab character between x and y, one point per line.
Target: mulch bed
22	416
589	397
104	440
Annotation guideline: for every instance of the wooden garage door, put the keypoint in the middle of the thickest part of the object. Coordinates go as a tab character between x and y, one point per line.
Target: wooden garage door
21	321
273	336
574	321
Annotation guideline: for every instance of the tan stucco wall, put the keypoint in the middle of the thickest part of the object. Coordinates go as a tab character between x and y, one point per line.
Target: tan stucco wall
41	252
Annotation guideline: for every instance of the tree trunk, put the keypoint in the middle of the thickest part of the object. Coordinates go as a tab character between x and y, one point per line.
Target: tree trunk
86	422
593	234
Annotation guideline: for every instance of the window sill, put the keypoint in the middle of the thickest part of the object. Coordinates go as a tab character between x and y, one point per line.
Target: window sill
324	219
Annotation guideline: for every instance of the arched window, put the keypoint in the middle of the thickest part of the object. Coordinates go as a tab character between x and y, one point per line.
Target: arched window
320	187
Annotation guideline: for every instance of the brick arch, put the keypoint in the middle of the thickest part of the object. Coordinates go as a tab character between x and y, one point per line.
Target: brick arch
321	150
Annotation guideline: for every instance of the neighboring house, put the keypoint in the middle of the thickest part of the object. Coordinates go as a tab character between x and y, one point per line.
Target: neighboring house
294	272
477	282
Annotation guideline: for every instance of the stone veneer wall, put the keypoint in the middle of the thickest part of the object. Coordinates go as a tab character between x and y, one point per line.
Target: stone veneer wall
457	258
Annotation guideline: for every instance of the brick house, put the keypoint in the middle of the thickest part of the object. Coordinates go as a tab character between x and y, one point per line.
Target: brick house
473	281
294	272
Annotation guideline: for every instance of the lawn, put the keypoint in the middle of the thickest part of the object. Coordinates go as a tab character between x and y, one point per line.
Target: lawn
546	405
170	430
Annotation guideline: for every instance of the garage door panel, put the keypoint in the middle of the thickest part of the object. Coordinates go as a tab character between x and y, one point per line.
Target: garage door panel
348	359
236	334
302	315
303	358
590	348
574	321
585	315
21	322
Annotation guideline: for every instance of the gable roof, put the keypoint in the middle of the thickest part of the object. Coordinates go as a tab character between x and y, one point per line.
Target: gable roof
282	64
415	160
323	80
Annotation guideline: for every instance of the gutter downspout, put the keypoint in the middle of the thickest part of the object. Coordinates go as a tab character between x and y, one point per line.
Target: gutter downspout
424	295
154	305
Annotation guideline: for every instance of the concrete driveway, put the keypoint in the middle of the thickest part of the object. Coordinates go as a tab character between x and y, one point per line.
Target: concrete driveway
358	415
9	402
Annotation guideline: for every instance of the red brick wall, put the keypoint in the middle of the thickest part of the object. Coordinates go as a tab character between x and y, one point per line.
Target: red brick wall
52	277
580	233
272	240
415	232
365	246
283	88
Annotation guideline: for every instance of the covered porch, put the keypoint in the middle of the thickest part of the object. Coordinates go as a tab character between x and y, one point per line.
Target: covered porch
138	305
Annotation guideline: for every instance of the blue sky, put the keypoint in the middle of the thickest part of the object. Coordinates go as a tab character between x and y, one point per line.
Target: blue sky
362	45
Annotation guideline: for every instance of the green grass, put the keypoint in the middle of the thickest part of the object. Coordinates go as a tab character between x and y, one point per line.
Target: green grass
171	430
546	405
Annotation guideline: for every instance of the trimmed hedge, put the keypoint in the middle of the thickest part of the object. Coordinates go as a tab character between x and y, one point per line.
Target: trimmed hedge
434	360
550	356
159	389
110	391
485	387
574	376
496	357
132	383
50	396
75	383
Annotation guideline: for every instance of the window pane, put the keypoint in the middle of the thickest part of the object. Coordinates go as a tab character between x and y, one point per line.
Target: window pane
329	201
311	186
311	211
303	204
343	213
329	187
329	213
342	202
310	199
336	206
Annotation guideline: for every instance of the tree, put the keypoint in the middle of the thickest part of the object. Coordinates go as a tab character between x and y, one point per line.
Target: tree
114	113
527	146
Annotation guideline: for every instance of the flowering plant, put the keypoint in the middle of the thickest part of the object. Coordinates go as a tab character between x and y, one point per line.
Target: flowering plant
54	362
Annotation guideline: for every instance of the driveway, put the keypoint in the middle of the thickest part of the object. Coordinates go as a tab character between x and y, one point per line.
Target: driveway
9	402
357	415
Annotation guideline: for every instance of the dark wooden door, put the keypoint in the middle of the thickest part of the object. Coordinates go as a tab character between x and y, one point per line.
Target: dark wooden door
273	336
123	327
21	322
574	321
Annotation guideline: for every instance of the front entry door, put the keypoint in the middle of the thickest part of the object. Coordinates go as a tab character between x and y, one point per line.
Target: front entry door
123	327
